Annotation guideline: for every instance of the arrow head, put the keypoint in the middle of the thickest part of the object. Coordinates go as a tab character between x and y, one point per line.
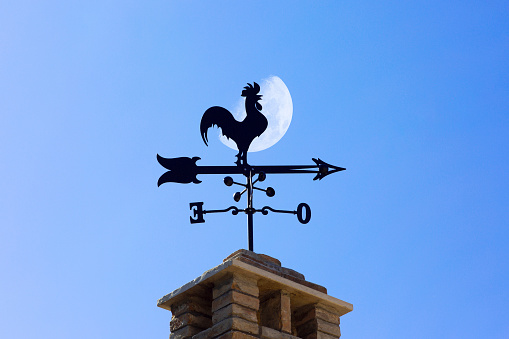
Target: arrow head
324	169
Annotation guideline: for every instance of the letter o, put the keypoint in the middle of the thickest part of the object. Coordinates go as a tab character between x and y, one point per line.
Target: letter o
299	213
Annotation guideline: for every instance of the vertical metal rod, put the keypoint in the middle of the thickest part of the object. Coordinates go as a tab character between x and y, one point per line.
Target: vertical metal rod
250	230
250	210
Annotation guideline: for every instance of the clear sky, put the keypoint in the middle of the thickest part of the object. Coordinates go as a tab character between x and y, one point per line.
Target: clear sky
412	97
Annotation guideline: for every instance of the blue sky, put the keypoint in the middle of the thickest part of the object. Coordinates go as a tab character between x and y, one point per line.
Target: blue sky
412	97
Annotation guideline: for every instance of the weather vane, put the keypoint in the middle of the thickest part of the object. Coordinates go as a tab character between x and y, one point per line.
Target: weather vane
184	170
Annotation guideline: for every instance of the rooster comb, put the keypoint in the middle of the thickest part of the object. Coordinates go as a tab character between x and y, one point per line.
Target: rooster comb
252	90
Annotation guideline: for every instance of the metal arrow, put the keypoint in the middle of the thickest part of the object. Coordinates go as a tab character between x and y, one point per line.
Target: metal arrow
184	170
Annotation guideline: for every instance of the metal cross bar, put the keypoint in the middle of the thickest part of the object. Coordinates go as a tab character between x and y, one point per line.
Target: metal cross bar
184	170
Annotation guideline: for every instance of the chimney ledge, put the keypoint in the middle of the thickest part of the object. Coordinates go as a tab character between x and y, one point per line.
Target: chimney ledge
266	279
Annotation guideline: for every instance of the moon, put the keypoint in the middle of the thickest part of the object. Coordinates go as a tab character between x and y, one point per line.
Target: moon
277	107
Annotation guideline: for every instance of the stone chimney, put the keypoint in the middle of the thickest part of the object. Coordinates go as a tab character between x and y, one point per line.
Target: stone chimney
251	296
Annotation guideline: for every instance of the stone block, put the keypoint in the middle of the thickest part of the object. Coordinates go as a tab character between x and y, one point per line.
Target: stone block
269	333
307	313
234	310
196	304
275	311
237	283
235	335
185	332
261	257
318	325
321	335
234	297
190	319
205	334
234	324
286	312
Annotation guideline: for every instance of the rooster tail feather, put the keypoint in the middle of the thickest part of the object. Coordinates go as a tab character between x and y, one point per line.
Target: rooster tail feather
204	134
220	117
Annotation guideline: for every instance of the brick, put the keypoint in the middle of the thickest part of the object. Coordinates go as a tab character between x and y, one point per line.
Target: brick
238	283
234	297
234	310
187	319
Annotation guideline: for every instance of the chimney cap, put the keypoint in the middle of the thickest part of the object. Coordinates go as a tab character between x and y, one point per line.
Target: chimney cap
269	274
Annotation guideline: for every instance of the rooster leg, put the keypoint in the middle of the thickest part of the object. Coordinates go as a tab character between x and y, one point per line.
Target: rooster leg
241	158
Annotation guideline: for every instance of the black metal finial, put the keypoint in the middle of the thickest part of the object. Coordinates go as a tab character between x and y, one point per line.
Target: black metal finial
184	170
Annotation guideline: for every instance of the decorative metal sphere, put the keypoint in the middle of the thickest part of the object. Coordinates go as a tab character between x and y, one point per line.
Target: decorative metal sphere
270	192
228	181
236	196
323	169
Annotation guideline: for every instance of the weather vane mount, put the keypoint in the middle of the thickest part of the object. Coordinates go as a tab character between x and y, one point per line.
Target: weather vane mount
185	170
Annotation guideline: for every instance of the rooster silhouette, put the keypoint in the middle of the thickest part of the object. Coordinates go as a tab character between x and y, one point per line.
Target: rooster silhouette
241	132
